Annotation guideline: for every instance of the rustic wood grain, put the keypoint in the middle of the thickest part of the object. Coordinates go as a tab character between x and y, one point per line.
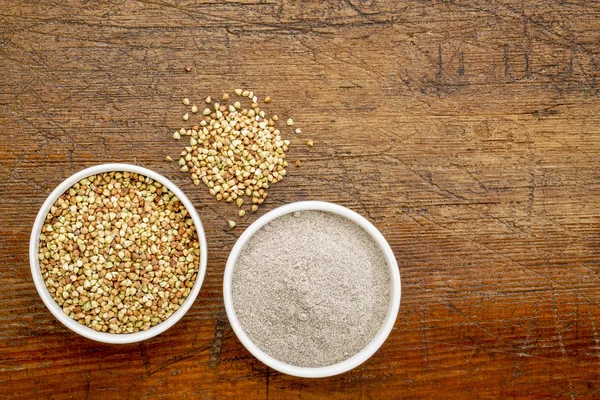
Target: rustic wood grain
467	131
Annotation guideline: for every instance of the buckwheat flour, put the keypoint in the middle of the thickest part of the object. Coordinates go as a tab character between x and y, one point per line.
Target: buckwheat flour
311	288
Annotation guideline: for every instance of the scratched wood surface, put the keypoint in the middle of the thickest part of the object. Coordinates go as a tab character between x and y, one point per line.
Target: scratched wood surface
467	131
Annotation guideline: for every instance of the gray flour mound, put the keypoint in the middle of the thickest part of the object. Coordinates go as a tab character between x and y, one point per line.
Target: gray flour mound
311	288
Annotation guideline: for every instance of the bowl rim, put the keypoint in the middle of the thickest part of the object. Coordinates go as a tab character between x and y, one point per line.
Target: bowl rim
380	336
56	310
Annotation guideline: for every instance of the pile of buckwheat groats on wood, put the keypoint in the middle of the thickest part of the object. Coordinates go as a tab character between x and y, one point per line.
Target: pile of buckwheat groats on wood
237	152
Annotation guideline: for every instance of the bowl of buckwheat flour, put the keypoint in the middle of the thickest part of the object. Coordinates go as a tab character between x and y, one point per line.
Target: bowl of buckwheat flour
312	289
118	253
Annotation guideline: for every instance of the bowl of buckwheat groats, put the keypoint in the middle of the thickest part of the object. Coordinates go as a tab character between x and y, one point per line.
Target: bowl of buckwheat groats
118	253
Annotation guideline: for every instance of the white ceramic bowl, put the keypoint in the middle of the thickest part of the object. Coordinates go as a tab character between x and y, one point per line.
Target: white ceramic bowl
359	357
57	310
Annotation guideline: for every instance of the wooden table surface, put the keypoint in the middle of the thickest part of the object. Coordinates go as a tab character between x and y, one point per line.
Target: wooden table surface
467	131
